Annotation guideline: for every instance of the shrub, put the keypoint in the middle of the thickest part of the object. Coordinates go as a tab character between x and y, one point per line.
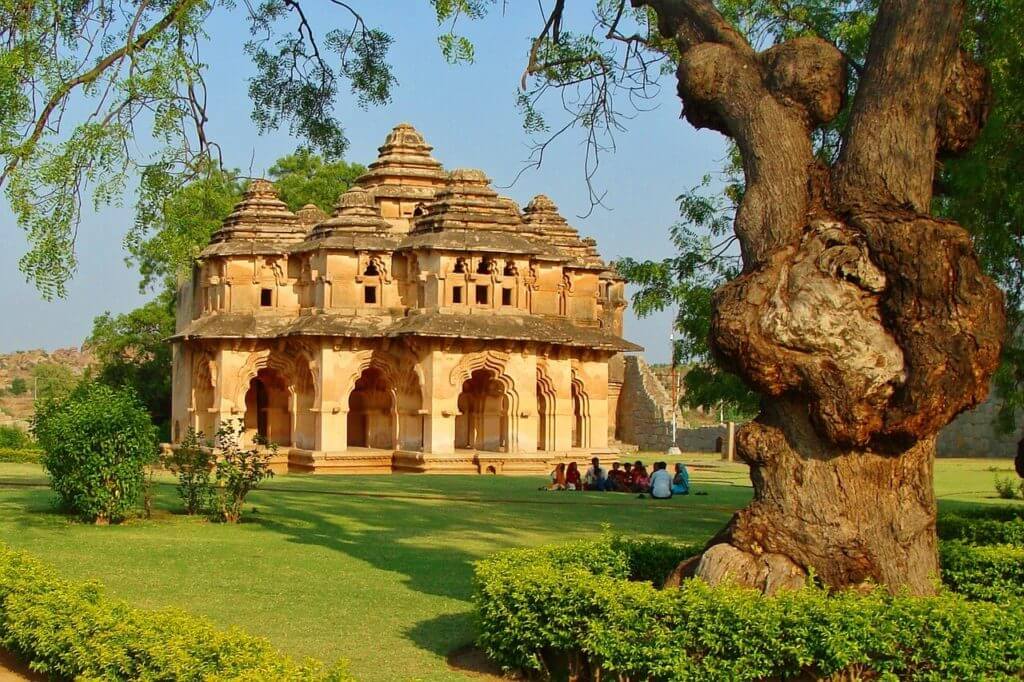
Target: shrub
992	573
192	463
237	471
535	604
19	386
71	630
96	442
1002	527
13	438
21	456
1006	488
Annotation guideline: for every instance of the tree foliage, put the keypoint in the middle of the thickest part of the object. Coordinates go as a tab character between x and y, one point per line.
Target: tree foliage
306	178
981	190
52	380
96	441
133	352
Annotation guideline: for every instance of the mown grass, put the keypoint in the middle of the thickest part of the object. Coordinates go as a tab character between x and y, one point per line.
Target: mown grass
374	568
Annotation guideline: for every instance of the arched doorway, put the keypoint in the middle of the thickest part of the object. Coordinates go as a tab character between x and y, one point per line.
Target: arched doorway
580	416
266	409
482	421
371	412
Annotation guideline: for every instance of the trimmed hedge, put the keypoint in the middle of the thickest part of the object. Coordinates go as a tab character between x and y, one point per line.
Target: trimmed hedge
998	526
992	572
20	455
536	605
72	630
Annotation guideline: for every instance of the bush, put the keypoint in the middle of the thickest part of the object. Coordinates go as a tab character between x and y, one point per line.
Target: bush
70	630
192	463
13	438
96	442
1007	488
20	456
19	386
1005	526
534	605
992	573
237	471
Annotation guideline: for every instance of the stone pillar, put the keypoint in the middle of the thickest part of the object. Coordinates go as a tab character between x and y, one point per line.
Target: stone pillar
523	422
729	451
442	402
595	382
560	372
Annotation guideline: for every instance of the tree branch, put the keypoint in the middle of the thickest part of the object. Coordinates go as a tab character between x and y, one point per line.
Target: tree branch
63	90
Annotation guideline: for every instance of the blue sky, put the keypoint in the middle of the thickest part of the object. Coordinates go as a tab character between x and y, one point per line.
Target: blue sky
467	112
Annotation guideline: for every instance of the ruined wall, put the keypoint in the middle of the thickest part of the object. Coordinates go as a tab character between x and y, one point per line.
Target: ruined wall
645	420
645	414
973	434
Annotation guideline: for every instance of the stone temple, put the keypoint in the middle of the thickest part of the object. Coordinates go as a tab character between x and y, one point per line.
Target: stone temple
428	324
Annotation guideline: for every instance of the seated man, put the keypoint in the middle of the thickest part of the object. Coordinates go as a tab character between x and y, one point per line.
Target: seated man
661	482
596	477
617	478
681	481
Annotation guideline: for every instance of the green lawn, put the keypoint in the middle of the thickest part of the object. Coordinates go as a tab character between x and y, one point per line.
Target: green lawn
376	568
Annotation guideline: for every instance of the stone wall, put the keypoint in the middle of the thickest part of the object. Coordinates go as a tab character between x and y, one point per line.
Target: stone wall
973	434
645	414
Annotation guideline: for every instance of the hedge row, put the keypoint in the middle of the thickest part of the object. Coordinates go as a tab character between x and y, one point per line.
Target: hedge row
998	526
71	630
991	572
535	605
20	455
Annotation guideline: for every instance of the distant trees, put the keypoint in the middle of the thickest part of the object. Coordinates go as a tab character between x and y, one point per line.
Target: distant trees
18	386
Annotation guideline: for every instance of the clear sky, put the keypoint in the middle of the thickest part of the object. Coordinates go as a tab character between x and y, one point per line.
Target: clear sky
467	112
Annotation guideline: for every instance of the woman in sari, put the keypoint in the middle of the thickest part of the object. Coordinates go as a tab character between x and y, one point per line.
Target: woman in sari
681	481
572	477
558	477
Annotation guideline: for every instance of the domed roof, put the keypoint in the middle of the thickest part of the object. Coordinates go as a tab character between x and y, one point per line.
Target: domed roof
310	214
542	220
260	216
468	202
404	168
355	211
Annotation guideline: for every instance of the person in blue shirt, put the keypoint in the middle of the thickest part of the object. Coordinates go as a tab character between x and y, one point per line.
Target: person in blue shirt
661	482
681	481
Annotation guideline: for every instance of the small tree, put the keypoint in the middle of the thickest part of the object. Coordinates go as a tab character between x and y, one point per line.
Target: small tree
15	438
238	471
97	442
19	386
193	464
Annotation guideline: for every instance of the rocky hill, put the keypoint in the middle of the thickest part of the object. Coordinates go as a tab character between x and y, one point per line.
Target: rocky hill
26	365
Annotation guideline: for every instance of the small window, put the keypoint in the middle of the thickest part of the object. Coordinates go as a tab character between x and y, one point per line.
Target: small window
456	294
506	297
460	266
372	270
481	294
266	297
485	267
510	269
369	294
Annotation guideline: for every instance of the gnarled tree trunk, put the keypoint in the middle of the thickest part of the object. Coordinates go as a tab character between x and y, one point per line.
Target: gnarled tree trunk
865	322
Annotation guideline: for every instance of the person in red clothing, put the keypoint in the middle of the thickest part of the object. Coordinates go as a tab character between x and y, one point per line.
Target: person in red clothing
641	482
572	477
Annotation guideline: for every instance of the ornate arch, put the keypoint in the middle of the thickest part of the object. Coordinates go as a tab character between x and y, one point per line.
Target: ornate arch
492	360
387	363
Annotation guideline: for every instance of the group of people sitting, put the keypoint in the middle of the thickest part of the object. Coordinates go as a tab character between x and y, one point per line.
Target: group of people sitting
625	478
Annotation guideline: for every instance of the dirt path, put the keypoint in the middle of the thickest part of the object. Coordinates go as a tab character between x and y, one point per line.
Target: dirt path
13	670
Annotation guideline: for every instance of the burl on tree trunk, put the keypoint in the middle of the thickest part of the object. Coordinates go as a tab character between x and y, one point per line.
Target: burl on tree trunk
865	322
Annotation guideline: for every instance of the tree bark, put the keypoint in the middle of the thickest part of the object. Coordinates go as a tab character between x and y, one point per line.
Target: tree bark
865	323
